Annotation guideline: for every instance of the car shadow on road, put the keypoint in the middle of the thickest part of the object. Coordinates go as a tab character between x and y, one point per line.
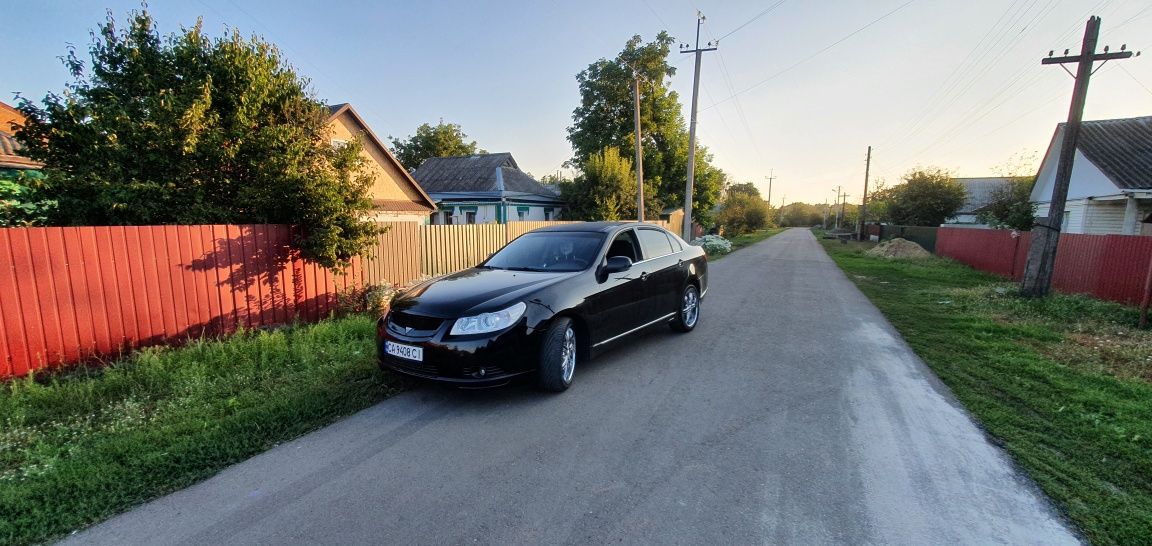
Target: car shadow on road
522	390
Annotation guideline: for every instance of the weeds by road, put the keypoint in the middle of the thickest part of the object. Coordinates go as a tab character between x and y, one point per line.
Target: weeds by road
1064	383
80	446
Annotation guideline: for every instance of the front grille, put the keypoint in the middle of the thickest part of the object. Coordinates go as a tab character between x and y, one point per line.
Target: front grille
413	367
413	325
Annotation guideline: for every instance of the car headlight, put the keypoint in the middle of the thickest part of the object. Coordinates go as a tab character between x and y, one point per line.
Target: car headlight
488	322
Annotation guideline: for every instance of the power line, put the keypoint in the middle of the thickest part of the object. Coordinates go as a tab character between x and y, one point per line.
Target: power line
812	56
1133	76
986	104
750	21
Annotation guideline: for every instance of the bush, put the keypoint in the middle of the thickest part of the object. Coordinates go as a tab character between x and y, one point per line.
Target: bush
742	213
372	299
714	244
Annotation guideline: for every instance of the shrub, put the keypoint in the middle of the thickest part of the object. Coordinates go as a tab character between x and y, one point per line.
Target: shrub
714	244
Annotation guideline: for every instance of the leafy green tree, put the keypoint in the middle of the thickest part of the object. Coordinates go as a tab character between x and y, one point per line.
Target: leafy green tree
605	189
604	119
743	212
803	215
21	201
744	188
440	140
928	197
1012	206
187	129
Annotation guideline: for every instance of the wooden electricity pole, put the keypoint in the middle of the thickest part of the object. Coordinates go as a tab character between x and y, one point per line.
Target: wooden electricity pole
1046	235
687	228
771	176
835	216
864	203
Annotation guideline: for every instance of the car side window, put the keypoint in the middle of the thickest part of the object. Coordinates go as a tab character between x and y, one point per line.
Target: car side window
654	243
624	245
676	247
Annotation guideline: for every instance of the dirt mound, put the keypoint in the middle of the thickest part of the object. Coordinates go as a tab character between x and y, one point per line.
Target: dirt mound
899	248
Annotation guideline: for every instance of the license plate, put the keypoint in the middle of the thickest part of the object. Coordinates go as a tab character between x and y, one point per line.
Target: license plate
404	351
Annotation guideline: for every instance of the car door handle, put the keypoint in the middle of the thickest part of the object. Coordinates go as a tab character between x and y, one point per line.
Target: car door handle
644	276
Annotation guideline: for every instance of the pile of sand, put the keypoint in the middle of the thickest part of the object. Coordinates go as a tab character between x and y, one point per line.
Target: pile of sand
899	248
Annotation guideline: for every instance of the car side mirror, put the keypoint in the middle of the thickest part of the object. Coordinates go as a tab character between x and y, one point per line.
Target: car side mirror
617	264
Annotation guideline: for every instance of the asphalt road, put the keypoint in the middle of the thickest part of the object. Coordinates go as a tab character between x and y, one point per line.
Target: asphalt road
793	414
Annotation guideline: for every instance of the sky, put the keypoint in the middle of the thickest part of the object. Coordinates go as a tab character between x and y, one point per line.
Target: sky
797	89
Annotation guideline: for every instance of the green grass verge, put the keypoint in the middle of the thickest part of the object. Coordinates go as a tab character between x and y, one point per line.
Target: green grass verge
741	241
80	446
1062	383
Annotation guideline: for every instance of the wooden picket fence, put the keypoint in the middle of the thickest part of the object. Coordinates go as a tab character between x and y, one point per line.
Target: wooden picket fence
69	294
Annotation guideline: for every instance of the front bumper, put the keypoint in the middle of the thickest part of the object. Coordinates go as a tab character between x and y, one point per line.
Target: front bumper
474	361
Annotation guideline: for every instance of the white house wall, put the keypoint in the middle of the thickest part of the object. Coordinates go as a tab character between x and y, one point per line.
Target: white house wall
486	213
1087	180
1085	216
1104	218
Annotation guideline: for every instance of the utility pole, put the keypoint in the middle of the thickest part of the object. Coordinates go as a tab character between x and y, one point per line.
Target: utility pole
843	201
825	213
771	176
864	203
783	199
692	127
639	150
836	217
1042	252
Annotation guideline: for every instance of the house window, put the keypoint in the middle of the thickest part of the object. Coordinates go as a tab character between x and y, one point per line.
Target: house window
522	213
548	215
468	214
339	143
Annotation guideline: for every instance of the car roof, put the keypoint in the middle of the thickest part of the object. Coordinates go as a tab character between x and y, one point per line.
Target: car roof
602	227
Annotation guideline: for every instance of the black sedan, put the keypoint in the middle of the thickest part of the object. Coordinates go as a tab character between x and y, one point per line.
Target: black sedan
544	302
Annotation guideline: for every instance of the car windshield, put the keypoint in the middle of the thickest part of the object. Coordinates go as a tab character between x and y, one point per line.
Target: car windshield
548	251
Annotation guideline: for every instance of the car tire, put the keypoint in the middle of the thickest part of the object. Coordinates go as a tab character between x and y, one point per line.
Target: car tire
558	356
687	310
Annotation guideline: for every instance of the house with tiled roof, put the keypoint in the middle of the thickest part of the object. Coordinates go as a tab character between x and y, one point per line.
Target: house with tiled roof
485	188
1110	192
978	194
396	197
12	160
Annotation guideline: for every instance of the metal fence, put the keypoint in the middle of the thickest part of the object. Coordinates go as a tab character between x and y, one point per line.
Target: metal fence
1109	267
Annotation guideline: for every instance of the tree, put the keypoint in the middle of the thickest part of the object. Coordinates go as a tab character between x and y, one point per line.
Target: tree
604	119
742	212
605	189
186	129
1011	206
743	188
803	215
21	200
440	140
928	197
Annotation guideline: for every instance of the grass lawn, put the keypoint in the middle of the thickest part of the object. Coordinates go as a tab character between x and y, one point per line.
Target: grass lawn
1064	384
80	446
741	241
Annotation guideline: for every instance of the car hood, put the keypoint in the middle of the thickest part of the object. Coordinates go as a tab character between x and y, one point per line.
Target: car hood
475	291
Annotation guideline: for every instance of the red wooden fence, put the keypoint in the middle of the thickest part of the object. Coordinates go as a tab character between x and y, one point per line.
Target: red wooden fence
1109	267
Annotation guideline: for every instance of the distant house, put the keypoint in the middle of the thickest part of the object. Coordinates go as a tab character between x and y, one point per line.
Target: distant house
396	197
485	188
978	194
12	161
1110	191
